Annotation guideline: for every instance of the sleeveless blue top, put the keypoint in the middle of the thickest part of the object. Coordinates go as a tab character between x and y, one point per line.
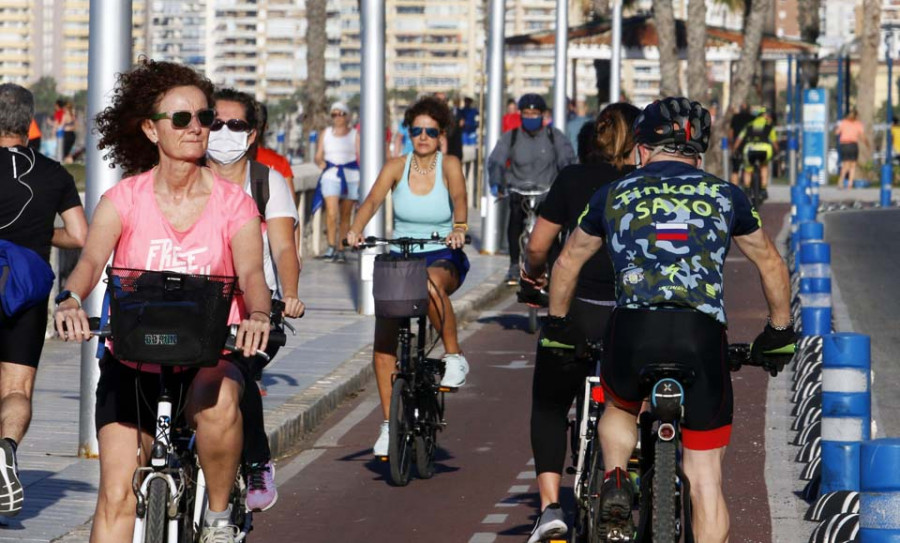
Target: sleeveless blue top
421	215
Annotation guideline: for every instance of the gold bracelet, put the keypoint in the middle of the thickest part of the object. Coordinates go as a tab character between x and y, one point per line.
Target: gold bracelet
462	225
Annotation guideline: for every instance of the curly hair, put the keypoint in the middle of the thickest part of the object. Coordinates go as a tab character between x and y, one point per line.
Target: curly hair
432	107
135	99
614	133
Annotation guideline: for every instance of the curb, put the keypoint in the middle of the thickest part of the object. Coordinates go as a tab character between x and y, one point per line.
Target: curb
293	419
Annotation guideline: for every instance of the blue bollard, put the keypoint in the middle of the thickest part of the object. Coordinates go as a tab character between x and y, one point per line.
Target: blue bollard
806	231
815	269
846	408
879	500
887	178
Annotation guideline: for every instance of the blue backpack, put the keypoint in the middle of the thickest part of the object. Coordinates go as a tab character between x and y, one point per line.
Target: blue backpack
25	278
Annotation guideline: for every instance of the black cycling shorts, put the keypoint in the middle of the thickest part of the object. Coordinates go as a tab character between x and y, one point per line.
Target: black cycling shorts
22	337
638	337
128	396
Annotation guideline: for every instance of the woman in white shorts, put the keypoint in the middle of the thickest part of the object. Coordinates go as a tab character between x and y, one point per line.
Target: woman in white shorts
339	183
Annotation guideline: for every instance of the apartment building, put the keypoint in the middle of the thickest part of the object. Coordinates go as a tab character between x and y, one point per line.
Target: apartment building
429	46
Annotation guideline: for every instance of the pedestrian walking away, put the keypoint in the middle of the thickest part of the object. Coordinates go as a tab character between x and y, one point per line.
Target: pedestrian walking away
429	196
232	139
338	186
535	155
35	189
171	214
850	132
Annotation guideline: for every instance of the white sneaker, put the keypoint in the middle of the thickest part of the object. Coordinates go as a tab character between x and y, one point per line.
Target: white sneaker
384	439
455	369
219	534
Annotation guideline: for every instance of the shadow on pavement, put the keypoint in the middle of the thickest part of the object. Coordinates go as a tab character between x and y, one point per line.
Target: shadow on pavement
44	492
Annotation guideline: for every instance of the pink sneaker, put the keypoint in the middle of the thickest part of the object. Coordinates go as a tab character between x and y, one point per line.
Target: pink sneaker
261	494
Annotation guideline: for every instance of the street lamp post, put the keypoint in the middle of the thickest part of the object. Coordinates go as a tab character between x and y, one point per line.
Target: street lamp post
490	210
887	170
791	119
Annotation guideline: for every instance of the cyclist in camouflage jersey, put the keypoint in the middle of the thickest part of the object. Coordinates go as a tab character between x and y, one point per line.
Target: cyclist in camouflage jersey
668	227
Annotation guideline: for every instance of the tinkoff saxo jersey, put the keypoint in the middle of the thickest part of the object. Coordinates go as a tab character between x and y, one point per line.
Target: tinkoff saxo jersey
668	228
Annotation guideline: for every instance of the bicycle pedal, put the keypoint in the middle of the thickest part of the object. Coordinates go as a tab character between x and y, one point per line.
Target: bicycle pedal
448	389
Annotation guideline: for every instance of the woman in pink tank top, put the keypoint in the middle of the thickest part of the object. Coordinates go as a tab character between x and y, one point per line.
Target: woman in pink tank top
173	215
850	131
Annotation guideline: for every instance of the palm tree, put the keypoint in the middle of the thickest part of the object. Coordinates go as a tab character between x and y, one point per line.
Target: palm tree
808	11
743	75
664	18
316	107
868	67
698	82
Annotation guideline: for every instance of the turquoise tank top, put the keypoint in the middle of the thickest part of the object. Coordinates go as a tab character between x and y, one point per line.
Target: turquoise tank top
420	215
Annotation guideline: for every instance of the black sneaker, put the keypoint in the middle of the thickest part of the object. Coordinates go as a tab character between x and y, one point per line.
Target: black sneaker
616	500
550	524
11	493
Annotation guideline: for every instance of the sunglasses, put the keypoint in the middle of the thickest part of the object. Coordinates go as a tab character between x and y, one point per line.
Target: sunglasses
338	114
181	119
235	125
416	131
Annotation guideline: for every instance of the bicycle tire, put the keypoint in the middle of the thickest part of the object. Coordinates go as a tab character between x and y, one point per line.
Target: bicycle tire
532	320
664	523
187	529
756	187
400	453
157	517
595	480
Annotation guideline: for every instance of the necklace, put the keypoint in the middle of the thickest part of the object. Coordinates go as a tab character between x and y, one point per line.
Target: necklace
415	165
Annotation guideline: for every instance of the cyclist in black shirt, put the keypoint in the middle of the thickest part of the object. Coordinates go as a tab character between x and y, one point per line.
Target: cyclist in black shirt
607	156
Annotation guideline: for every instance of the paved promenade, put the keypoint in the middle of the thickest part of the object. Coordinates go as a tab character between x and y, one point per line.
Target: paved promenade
329	358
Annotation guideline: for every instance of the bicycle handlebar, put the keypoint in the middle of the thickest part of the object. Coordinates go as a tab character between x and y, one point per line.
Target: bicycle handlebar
739	355
405	242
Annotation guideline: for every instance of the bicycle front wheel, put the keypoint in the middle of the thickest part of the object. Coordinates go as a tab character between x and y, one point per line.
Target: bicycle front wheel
756	188
157	506
401	444
664	494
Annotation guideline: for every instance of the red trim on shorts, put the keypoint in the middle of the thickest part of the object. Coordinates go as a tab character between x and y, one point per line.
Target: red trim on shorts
619	402
704	440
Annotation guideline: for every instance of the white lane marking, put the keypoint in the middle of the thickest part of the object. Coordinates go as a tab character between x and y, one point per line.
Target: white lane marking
518	489
530	462
483	537
515	365
526	475
329	439
494	518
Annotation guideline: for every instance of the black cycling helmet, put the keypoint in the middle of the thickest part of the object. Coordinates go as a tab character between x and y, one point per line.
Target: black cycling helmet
675	124
532	101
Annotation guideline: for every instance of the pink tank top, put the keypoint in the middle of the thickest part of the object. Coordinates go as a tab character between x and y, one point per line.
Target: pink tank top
149	242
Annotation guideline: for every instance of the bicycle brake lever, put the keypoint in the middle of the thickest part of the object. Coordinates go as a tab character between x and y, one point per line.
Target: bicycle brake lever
289	326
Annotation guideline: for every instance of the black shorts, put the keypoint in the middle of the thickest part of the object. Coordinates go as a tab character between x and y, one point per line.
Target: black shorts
638	337
128	396
22	337
848	151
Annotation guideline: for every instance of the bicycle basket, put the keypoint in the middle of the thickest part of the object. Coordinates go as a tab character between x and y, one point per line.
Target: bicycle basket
400	287
169	318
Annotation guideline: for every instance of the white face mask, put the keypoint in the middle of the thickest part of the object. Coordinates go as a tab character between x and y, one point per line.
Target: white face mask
227	147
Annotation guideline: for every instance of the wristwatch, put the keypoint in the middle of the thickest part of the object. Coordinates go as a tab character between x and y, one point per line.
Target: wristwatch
65	295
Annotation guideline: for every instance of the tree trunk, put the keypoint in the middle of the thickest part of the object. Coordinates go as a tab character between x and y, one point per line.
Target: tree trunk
868	67
743	78
316	108
808	11
698	80
664	18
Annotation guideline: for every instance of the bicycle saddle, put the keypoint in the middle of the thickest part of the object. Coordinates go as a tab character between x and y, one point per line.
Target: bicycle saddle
652	373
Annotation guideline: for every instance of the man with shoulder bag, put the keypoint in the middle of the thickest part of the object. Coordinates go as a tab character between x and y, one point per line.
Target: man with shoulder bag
35	189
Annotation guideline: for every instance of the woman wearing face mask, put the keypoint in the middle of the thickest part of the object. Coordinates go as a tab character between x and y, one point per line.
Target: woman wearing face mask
606	152
232	136
339	184
429	195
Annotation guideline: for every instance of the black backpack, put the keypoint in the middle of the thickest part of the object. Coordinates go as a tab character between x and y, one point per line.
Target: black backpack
259	186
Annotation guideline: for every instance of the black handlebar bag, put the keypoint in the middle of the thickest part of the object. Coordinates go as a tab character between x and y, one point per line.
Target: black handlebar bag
169	318
400	287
